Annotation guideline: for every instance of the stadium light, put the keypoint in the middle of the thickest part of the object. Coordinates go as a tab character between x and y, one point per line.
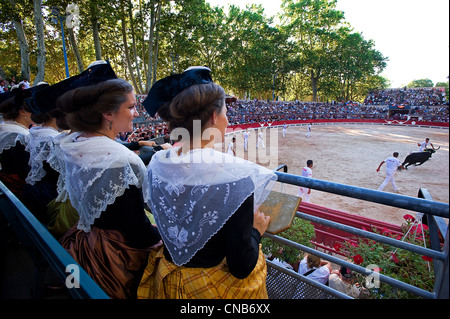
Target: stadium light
55	17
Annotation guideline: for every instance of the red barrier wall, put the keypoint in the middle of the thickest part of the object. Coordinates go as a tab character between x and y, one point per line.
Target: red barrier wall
232	128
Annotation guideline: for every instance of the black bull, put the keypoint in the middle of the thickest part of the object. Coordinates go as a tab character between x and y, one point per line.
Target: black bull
418	158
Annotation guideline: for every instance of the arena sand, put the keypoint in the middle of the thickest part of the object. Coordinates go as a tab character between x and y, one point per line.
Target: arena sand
350	154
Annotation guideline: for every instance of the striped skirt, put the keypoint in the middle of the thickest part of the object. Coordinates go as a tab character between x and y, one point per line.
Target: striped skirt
165	280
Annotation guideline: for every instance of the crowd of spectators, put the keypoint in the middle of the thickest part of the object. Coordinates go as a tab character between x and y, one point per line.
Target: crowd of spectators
261	111
407	97
8	85
428	103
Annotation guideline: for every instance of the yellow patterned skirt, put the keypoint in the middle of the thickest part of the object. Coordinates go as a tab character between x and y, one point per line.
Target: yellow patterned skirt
165	280
62	217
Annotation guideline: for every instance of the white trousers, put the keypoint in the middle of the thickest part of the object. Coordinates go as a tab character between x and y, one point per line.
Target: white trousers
303	193
260	140
389	178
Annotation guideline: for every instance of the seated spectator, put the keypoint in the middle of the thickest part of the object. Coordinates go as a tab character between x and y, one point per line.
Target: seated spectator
343	280
314	268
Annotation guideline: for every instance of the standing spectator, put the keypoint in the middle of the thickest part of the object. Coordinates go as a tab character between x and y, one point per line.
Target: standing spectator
204	201
105	182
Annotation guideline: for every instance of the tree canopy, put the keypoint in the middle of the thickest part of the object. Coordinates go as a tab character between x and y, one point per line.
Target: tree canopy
312	52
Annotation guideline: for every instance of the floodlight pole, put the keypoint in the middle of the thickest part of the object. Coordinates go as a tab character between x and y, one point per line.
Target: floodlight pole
55	12
61	19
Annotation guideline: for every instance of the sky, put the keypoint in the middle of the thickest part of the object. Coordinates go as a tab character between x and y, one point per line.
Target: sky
412	34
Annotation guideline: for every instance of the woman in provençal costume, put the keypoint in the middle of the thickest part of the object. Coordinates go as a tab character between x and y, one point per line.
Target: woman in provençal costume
104	180
45	189
205	202
14	136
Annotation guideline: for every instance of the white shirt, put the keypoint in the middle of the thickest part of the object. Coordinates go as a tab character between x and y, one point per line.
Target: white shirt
392	163
321	274
306	172
230	148
423	146
346	288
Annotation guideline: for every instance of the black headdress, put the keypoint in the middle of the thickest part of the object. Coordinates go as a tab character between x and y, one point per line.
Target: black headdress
166	89
45	99
30	101
5	96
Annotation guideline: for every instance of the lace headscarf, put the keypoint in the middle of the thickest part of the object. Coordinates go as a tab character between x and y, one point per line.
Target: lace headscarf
39	146
98	170
193	195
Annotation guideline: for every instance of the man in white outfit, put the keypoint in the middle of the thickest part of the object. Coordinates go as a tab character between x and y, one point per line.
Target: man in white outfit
304	192
260	140
308	134
424	145
392	163
246	135
232	147
285	126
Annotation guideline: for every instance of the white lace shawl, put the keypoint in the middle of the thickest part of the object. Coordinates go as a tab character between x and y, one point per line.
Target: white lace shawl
10	134
193	195
40	146
56	161
98	170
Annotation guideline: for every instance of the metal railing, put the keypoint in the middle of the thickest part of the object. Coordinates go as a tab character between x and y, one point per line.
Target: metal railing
432	210
45	249
35	235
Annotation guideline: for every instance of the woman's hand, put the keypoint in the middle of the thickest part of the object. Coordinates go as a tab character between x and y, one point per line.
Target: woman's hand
261	222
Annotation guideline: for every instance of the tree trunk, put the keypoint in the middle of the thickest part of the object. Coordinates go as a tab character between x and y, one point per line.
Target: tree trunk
314	85
95	33
74	45
133	37
24	50
154	19
41	53
144	71
125	44
155	66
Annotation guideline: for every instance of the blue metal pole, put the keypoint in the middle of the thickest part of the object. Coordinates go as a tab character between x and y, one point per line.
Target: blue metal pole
61	19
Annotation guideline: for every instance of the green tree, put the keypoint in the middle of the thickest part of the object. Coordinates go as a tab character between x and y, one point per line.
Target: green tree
423	83
314	24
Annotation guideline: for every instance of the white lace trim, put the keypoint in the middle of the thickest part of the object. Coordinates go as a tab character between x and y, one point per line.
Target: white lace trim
11	133
40	147
194	195
98	170
56	161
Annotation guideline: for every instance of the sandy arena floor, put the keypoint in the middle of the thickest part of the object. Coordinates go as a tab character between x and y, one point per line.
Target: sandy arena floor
350	154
